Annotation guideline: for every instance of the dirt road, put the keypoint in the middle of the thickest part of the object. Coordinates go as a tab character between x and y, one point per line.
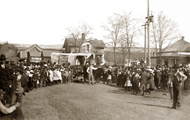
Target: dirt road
77	101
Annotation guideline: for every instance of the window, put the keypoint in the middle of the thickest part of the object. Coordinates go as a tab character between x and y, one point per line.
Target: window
87	48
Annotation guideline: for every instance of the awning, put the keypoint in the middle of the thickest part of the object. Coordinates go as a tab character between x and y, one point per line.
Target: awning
176	54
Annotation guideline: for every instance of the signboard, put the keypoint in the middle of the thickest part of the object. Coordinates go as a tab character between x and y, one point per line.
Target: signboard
35	59
71	58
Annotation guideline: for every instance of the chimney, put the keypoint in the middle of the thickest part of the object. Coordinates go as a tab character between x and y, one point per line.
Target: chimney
182	38
83	36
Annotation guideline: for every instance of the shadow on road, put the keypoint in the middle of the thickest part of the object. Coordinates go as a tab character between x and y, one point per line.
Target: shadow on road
186	92
157	97
150	105
118	91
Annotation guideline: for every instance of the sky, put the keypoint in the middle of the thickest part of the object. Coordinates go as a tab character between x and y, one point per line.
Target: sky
45	21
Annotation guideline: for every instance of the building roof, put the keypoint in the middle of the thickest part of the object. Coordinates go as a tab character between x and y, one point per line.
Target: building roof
34	47
180	45
24	46
97	43
76	43
71	42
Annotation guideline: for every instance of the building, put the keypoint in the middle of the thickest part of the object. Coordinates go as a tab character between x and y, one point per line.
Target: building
178	52
83	45
136	54
37	53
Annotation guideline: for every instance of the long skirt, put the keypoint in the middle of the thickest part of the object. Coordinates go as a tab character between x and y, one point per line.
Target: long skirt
152	84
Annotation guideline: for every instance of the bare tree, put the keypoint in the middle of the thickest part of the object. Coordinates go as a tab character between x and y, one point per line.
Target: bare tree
130	31
162	33
76	32
123	50
113	29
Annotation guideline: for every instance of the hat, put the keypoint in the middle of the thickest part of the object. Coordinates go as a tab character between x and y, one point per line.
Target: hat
2	57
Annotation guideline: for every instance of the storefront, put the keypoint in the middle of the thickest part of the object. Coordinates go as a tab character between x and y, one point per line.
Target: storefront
35	53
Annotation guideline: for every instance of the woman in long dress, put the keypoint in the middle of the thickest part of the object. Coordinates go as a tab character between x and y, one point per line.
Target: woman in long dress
51	76
128	81
151	77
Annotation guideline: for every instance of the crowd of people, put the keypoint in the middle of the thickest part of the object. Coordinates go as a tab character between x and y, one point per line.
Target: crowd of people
18	78
144	80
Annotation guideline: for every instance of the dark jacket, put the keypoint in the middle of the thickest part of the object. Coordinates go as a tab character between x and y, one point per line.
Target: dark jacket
13	78
144	77
4	74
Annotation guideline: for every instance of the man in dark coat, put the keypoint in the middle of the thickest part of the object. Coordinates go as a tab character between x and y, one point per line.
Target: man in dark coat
19	86
85	74
143	81
177	79
119	78
4	74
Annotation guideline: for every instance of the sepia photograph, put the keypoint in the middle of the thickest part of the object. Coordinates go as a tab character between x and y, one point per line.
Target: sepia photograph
94	60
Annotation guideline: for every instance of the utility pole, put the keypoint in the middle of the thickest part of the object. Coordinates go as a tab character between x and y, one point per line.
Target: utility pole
145	43
148	61
149	19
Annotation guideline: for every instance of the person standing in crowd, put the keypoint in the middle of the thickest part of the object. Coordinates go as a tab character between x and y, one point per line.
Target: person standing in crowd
43	77
119	78
9	113
55	76
105	75
59	75
128	80
50	75
30	82
99	74
18	88
35	78
148	81
66	73
13	79
123	79
109	74
46	76
177	79
90	73
151	80
136	79
158	75
25	77
133	73
165	78
70	76
170	84
4	74
143	81
85	74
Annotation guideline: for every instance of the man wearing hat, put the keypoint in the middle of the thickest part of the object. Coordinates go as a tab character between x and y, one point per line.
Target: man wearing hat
90	73
18	87
143	81
4	74
177	79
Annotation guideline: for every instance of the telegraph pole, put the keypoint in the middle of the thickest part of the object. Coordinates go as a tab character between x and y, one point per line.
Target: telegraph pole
148	62
145	43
